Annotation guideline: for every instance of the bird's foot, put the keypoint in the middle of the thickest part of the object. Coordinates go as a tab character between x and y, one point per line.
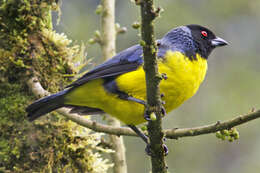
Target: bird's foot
163	110
164	76
149	153
142	102
147	116
162	95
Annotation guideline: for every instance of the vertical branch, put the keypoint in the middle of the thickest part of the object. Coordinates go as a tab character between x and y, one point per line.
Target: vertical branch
108	29
153	78
108	50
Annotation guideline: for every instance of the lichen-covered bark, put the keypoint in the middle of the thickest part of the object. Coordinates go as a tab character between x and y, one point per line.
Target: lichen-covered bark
29	46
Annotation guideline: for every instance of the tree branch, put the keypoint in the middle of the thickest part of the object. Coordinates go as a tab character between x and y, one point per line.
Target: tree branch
108	47
174	133
152	77
228	124
108	29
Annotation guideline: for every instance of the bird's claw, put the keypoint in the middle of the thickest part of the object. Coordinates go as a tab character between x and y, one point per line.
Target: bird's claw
149	153
166	150
164	76
148	150
147	116
163	110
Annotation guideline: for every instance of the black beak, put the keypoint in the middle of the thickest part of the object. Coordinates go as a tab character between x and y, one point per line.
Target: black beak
217	42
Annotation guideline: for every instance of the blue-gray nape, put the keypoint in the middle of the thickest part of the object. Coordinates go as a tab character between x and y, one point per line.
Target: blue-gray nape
179	39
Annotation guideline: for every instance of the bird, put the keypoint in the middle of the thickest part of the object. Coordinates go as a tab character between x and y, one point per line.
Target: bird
118	86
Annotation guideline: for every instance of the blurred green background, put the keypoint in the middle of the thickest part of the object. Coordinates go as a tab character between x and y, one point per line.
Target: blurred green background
232	85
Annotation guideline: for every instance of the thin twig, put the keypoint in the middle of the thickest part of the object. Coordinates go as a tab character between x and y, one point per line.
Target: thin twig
212	128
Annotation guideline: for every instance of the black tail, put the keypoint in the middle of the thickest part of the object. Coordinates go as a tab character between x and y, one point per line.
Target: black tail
46	105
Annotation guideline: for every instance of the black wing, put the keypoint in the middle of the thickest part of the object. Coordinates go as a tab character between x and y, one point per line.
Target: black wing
125	61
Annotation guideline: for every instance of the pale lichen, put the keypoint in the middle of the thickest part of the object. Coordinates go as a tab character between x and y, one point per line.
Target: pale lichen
29	46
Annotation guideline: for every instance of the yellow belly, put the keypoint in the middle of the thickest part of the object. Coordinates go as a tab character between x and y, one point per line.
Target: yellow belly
184	79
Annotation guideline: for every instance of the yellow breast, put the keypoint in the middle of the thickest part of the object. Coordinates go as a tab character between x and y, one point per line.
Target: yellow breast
184	79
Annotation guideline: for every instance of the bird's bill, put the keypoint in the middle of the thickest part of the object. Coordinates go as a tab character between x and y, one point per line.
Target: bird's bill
217	42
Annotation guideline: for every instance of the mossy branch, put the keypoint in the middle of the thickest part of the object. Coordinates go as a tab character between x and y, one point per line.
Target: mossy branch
29	46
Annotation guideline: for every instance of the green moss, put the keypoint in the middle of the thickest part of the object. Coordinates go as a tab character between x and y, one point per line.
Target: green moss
27	37
42	146
29	46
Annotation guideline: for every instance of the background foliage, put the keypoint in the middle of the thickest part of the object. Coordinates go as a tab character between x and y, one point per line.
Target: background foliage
231	86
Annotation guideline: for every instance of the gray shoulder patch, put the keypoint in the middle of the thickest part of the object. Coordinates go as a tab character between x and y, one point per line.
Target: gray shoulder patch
186	30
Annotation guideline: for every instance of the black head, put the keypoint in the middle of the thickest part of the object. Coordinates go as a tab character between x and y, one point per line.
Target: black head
205	39
193	39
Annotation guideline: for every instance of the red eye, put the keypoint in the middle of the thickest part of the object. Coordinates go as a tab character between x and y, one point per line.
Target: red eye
204	33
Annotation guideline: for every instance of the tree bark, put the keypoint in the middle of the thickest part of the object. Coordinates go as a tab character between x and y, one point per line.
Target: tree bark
153	78
108	46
